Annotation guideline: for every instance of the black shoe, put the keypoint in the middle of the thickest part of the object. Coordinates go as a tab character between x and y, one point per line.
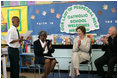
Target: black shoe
78	75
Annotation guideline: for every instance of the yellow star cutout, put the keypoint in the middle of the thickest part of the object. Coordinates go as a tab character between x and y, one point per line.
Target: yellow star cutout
52	10
105	7
32	17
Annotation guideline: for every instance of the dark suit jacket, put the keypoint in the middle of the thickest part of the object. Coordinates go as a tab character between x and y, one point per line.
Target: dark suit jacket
111	48
38	51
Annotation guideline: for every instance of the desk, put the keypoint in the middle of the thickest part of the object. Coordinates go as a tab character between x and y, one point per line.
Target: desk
71	46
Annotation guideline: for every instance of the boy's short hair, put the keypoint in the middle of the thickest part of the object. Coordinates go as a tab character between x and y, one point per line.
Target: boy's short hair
14	17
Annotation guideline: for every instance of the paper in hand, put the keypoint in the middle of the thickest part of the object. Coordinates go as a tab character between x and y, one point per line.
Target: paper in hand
28	33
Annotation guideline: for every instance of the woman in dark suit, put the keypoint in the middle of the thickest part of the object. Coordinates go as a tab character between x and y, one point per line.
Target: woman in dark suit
43	50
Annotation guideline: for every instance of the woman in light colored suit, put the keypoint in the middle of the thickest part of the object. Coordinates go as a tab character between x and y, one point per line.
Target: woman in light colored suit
81	47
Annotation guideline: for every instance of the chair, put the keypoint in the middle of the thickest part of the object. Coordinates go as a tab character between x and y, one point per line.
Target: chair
41	66
115	68
37	66
86	63
57	64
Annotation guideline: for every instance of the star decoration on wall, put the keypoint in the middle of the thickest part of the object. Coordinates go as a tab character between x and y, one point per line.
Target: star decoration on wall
44	13
32	17
37	11
52	10
58	15
99	12
113	10
105	7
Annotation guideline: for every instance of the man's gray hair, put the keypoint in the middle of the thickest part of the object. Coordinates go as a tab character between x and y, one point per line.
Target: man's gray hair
42	33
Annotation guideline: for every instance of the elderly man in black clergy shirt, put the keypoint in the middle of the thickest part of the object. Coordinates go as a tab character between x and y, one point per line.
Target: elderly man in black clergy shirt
110	56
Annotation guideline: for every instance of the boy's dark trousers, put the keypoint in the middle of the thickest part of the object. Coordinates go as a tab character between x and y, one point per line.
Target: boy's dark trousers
14	62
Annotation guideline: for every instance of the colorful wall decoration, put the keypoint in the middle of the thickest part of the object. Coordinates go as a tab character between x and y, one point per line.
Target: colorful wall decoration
43	2
4	27
14	3
24	3
48	17
8	13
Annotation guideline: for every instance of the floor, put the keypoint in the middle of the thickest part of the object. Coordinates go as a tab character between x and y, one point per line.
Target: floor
30	74
26	75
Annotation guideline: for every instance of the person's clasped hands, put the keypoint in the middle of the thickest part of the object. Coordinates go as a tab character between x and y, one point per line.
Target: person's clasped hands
104	39
79	43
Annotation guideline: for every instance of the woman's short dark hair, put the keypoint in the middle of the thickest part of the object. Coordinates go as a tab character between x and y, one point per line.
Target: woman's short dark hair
82	28
42	33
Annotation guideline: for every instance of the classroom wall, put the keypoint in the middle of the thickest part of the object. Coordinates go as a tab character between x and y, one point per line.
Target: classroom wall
48	17
45	20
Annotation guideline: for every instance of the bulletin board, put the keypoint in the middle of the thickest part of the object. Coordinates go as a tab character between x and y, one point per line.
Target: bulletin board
48	17
6	15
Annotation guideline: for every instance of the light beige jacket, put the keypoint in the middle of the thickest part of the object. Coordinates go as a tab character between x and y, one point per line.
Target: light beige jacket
84	47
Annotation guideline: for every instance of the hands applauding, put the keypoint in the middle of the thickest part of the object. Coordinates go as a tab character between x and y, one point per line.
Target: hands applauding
45	45
50	45
79	43
104	39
